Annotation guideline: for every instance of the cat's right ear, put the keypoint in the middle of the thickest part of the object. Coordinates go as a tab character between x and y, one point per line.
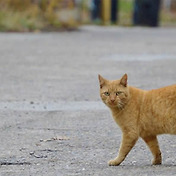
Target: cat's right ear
123	80
102	81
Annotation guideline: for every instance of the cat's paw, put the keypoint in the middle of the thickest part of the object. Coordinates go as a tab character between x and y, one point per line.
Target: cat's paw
113	162
156	162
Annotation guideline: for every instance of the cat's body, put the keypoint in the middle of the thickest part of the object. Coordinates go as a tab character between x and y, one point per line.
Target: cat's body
140	113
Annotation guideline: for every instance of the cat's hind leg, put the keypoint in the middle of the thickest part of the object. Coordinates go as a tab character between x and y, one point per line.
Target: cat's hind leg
152	143
128	141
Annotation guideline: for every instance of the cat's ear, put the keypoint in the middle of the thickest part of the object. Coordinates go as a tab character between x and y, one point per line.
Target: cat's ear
123	80
102	81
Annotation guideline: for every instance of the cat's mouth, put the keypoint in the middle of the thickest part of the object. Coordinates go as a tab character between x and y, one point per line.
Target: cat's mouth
112	104
118	105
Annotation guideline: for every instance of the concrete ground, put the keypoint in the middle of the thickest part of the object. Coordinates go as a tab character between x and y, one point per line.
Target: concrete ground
52	121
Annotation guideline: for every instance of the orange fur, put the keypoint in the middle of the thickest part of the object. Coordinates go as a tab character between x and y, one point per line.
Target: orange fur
139	113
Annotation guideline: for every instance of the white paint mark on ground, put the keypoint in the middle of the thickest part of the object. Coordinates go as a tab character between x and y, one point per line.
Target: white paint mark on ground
139	57
52	106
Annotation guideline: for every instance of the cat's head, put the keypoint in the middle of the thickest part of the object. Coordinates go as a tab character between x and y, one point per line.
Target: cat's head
114	94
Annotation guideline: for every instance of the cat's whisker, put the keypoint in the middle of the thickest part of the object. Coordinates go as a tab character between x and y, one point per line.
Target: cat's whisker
120	105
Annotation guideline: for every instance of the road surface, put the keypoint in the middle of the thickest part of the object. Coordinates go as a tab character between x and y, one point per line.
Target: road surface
52	120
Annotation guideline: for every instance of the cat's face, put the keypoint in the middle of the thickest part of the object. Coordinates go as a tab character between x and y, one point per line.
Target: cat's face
114	93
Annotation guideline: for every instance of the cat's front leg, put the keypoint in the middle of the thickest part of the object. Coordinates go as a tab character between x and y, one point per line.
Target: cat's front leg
128	141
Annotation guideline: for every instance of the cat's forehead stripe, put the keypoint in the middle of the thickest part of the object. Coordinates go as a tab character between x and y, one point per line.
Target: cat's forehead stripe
113	85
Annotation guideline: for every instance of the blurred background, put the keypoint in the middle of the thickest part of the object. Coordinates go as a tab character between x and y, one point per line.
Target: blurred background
54	15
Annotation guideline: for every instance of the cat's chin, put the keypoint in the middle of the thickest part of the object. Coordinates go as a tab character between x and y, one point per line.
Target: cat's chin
112	105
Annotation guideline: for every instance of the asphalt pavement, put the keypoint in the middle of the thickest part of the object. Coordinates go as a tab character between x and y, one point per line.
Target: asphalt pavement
52	121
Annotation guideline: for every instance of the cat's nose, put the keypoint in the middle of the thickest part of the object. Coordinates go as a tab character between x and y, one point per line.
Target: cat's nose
112	100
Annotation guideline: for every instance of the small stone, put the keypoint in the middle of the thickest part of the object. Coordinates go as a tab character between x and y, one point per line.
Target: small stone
31	153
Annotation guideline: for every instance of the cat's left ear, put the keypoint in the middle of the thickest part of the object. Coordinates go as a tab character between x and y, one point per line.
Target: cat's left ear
123	80
102	81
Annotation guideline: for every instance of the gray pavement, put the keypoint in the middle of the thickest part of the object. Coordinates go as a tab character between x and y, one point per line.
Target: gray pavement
52	121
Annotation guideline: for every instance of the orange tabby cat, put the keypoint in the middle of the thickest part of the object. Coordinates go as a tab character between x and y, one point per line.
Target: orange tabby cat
139	113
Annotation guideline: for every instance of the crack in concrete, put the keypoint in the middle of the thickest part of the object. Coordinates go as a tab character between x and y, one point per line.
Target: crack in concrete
14	163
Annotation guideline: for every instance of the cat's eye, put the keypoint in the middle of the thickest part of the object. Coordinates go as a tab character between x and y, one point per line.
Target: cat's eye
106	93
118	93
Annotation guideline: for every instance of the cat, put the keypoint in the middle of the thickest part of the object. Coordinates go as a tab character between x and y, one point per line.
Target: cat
139	113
